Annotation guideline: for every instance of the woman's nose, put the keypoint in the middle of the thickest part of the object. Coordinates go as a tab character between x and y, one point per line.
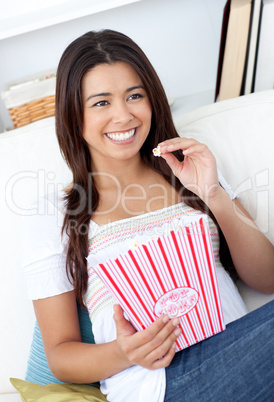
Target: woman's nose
121	113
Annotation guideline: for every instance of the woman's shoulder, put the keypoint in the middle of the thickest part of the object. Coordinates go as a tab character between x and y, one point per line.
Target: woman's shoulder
42	226
43	256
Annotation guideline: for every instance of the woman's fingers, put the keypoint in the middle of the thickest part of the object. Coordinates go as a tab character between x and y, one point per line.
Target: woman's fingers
173	163
154	335
165	360
188	146
178	143
163	338
161	345
150	348
198	171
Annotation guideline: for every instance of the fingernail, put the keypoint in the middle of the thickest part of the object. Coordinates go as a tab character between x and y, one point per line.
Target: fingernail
176	322
166	318
174	345
177	331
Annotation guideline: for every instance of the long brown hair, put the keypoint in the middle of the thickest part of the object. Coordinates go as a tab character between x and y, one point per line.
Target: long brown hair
82	197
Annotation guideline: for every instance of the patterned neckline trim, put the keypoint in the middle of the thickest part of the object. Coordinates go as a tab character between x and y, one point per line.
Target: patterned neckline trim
141	216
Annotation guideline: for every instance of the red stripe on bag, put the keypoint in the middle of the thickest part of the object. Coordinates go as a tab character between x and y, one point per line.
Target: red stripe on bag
200	280
186	277
167	262
133	288
142	275
184	336
211	272
121	294
153	267
180	257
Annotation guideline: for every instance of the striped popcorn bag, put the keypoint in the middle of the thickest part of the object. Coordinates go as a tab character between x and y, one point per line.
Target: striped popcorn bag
174	275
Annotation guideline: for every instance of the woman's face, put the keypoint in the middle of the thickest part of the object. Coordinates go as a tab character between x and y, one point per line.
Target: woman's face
117	113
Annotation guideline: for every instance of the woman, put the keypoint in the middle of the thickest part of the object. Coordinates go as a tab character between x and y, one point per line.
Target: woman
111	111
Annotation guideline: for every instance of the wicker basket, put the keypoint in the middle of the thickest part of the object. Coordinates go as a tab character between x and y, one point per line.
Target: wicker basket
33	111
31	98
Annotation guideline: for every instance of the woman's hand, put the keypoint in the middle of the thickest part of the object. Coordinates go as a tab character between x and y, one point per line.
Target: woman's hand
198	171
151	348
252	253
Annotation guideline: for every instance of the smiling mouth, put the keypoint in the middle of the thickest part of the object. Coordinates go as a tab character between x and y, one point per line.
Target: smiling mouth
126	135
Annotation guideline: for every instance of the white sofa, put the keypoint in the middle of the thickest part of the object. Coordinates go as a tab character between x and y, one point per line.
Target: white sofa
239	131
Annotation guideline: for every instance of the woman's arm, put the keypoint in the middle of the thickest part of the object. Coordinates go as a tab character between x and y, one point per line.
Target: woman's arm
70	360
252	253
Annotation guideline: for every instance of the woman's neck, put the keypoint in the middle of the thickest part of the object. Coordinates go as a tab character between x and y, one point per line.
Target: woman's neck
121	172
130	188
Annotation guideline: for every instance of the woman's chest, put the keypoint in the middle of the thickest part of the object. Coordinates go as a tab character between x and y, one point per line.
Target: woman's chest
134	200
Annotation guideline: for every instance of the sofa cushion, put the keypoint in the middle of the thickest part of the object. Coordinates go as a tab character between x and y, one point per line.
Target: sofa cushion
30	165
57	392
38	370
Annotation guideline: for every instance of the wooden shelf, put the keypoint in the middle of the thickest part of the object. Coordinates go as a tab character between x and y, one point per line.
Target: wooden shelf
55	14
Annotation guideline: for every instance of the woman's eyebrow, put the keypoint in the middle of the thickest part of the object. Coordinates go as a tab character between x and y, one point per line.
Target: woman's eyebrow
108	93
135	87
96	95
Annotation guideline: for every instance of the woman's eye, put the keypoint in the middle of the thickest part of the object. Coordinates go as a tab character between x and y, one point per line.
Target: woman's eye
135	96
101	103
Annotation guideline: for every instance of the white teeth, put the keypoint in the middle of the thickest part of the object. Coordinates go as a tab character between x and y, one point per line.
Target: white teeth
121	136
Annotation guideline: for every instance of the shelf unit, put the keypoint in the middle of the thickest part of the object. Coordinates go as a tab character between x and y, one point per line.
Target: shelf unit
66	10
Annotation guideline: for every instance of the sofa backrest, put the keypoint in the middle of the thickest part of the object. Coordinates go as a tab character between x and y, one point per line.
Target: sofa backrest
30	165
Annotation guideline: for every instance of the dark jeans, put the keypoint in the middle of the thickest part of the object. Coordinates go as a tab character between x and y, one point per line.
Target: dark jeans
234	365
